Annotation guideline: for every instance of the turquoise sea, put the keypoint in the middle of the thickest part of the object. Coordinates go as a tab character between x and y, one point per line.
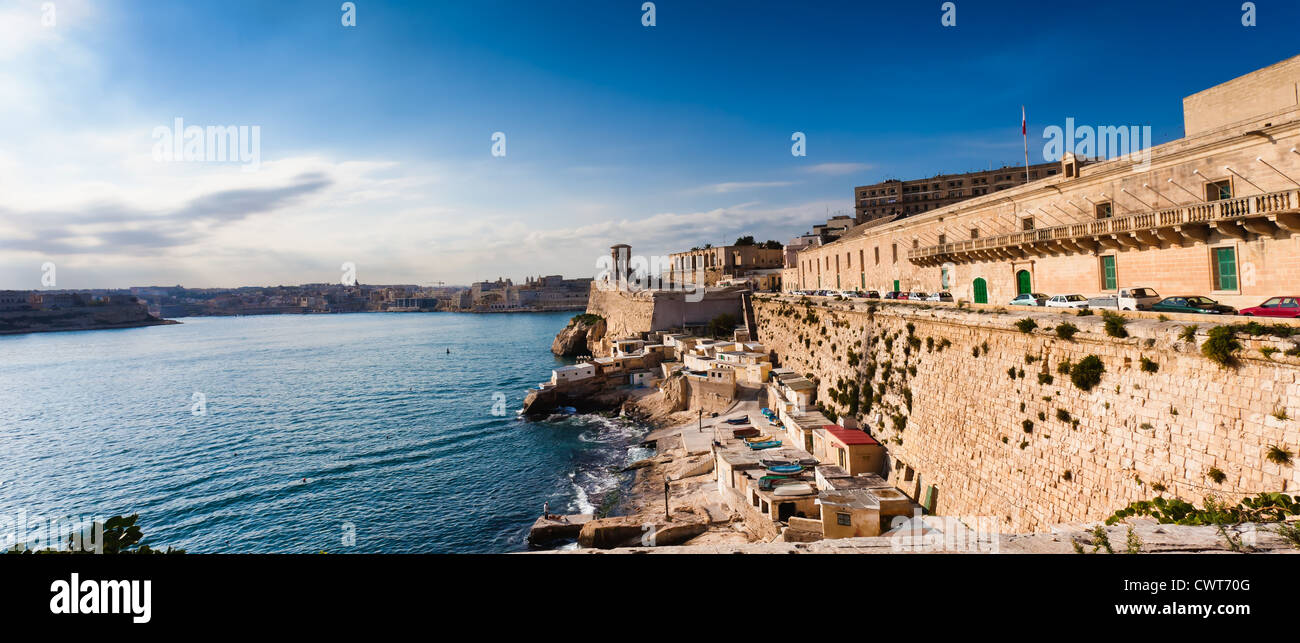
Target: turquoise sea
311	428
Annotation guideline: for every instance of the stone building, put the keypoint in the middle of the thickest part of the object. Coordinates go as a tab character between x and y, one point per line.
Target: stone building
894	199
1214	213
723	262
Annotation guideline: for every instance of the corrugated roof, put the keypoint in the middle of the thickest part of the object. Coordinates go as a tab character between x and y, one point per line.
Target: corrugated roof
849	436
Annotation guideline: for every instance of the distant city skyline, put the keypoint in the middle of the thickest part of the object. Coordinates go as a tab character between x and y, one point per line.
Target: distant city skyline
376	140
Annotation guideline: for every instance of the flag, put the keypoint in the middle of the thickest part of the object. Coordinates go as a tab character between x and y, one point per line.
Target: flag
1024	124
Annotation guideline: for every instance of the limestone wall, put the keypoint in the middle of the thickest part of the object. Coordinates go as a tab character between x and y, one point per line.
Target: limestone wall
961	386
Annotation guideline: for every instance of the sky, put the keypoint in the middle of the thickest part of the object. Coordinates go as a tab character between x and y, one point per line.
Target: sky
376	140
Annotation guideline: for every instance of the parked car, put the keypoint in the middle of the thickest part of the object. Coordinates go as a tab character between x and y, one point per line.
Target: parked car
871	294
1067	301
1137	298
918	296
1192	304
1275	307
893	294
940	296
903	295
1029	299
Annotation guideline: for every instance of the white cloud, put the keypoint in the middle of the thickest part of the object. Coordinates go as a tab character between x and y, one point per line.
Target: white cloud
726	188
838	169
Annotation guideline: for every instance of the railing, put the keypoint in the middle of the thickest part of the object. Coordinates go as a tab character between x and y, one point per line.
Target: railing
1225	210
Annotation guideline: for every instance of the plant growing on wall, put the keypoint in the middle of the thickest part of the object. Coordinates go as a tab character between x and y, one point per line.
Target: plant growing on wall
1278	454
1221	347
1115	323
1087	373
1216	475
1027	325
1149	366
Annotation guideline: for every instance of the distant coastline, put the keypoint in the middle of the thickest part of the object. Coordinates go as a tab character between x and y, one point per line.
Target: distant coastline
78	318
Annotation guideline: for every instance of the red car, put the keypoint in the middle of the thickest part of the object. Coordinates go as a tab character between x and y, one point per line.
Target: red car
1275	307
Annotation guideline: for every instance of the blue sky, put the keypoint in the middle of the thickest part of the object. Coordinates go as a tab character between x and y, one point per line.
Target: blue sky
376	139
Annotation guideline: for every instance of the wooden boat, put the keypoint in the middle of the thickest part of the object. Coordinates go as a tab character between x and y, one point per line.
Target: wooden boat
775	462
747	432
759	438
739	420
786	469
758	446
793	489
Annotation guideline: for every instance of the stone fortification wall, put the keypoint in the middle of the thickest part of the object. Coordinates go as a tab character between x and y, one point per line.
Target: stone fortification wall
979	419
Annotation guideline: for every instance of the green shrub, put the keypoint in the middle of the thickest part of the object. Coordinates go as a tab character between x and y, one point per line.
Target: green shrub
1063	415
1216	475
1066	330
1087	373
1149	366
1027	426
1044	379
1064	367
1278	455
1221	347
1188	333
1265	507
1084	312
1026	325
1115	324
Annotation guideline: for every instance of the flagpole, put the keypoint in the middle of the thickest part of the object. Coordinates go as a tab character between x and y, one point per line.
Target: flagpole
1024	131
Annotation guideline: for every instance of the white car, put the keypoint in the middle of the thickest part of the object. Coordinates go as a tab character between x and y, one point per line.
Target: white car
1137	298
1067	301
1029	299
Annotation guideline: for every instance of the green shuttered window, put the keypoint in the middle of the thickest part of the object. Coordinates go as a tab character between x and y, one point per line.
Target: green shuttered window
1225	268
1108	278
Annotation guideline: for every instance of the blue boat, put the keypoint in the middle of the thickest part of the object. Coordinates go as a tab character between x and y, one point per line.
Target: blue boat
770	444
786	469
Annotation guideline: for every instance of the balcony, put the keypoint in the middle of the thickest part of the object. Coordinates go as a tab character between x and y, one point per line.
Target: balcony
1239	218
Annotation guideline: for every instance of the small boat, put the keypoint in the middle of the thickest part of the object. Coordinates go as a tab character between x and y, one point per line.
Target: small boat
793	489
786	469
747	432
767	483
766	411
758	446
759	438
739	420
775	462
808	462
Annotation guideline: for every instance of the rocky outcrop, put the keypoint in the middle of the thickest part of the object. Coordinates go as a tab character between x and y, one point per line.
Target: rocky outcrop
634	531
582	336
658	407
586	396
